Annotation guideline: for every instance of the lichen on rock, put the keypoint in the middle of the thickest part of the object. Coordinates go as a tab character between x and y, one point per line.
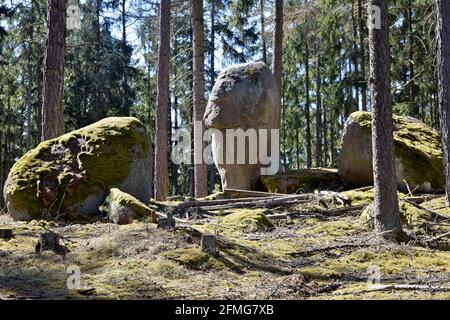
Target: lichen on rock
75	170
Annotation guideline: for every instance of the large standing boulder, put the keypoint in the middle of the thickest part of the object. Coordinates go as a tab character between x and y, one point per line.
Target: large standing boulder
75	170
244	96
417	148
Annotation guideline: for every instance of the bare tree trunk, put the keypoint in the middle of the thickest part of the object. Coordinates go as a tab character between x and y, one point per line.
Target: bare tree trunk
212	76
191	89
332	137
307	109
277	62
201	171
318	116
362	58
125	110
385	208
325	136
355	56
263	29
174	167
29	94
161	172
53	83
411	85
443	72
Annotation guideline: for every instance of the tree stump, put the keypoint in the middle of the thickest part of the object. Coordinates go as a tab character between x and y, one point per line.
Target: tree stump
166	223
50	241
208	244
6	234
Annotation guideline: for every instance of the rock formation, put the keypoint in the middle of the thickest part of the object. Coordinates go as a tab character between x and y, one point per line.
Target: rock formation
76	170
244	97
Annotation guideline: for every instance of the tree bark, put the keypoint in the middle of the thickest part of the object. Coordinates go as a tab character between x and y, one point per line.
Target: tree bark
161	184
200	172
325	136
212	76
362	57
307	108
385	208
318	116
53	82
125	110
411	85
277	61
263	30
443	73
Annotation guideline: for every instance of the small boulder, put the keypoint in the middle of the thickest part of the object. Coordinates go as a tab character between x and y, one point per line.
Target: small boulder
122	208
244	97
75	171
417	148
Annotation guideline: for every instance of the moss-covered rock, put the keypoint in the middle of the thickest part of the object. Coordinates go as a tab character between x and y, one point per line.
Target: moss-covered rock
191	258
75	170
305	180
246	220
122	207
418	154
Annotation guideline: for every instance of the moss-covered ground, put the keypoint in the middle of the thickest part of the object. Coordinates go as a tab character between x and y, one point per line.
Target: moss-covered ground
306	256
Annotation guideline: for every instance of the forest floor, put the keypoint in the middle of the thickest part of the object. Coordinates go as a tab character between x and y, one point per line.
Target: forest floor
306	254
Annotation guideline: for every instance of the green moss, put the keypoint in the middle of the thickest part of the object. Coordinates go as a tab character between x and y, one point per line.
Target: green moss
416	146
252	75
102	161
126	200
191	258
246	220
357	197
393	262
410	215
363	118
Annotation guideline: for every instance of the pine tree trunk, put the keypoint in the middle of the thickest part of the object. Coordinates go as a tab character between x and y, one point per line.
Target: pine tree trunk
161	184
263	30
325	136
355	56
443	72
53	83
318	116
277	62
125	110
174	167
307	108
212	76
362	58
411	86
201	172
191	114
385	206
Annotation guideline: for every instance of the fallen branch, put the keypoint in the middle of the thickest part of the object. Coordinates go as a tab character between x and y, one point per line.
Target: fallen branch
318	212
264	203
251	193
404	287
